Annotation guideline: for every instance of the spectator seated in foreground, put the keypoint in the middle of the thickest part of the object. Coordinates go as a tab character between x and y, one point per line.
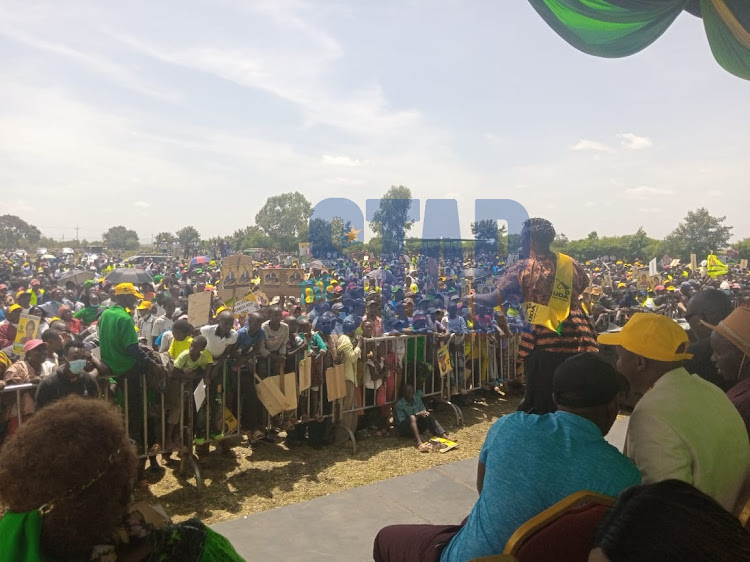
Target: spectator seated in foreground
528	463
683	427
67	479
669	521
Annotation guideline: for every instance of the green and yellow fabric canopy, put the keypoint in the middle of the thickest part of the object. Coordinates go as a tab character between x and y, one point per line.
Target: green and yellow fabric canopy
618	28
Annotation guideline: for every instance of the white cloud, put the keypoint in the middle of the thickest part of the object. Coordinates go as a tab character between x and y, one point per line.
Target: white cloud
644	192
340	160
633	142
650	210
494	139
590	145
716	193
141	204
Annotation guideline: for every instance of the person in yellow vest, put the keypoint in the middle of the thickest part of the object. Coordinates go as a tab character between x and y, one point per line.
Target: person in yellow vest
550	285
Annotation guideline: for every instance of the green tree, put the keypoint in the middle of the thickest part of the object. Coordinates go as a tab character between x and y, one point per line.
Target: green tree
284	219
120	238
743	248
249	237
188	236
16	232
321	236
699	233
390	220
165	239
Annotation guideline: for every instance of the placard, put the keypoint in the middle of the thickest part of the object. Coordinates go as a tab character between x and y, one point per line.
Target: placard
743	264
642	278
236	276
199	308
693	262
28	329
246	305
277	282
444	360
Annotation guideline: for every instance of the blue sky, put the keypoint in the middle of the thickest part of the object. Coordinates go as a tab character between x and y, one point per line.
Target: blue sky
157	115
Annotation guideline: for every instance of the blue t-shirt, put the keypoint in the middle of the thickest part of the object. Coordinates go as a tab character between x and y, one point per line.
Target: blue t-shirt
531	463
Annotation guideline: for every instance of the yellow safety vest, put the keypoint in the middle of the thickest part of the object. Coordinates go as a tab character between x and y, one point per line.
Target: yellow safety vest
554	313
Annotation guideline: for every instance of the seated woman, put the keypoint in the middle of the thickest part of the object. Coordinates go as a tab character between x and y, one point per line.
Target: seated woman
669	521
68	509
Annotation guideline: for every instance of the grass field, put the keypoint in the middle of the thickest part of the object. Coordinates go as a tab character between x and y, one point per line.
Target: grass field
272	475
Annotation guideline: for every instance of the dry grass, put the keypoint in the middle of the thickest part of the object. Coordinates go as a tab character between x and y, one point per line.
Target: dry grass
270	476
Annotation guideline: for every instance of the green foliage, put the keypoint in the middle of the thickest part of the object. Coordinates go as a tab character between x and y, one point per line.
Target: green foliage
389	221
699	233
15	233
165	239
284	220
743	248
120	238
187	237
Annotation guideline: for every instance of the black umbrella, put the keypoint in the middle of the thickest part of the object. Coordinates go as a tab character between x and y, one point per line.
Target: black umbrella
128	275
77	276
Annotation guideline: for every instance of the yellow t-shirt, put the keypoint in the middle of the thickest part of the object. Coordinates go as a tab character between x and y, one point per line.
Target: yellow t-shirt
177	347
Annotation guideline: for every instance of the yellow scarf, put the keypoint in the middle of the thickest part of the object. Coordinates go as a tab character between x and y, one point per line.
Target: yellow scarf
553	314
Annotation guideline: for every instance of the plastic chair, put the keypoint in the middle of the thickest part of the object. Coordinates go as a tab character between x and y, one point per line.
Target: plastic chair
563	532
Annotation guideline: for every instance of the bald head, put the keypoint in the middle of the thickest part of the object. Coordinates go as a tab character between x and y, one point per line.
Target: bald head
710	305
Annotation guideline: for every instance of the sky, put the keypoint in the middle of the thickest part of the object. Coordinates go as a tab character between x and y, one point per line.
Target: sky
157	115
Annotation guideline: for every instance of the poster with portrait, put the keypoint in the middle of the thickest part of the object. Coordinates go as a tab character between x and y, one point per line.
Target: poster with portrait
444	360
28	329
236	276
642	278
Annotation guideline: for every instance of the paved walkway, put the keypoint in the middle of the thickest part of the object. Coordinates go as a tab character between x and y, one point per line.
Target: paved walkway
342	526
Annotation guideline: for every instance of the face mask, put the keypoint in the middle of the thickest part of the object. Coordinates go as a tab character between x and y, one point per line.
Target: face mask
76	366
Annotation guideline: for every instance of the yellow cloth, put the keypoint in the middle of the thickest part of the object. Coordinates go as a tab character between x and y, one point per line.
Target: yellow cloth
553	314
177	347
715	266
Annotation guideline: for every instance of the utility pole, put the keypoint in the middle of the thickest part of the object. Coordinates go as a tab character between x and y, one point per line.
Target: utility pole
76	233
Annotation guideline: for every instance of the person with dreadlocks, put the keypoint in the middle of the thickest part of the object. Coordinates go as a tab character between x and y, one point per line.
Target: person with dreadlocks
549	284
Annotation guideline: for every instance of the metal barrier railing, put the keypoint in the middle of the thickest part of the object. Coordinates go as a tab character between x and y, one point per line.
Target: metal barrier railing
231	407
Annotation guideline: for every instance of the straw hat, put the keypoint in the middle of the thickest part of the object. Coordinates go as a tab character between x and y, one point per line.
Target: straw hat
735	328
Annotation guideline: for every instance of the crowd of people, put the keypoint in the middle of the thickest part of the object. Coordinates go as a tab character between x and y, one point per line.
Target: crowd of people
94	329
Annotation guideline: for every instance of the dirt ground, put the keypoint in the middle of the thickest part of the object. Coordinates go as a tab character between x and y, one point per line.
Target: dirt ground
273	475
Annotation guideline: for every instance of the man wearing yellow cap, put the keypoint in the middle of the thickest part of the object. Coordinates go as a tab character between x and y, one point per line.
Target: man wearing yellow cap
683	427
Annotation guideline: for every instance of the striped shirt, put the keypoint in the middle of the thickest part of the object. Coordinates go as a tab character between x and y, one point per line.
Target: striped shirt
532	280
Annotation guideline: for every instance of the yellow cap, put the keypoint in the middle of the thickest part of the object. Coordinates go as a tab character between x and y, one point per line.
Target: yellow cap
652	336
220	310
14	307
127	289
671	288
145	305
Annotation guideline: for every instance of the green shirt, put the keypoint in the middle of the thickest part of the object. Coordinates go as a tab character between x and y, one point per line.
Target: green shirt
116	332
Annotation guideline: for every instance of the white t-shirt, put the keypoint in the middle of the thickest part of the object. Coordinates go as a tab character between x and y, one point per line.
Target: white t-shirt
276	340
217	345
686	428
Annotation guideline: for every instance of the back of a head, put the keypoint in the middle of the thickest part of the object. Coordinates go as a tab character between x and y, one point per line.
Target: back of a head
670	521
714	305
73	456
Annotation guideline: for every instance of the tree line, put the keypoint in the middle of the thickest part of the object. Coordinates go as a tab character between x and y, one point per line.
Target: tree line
287	219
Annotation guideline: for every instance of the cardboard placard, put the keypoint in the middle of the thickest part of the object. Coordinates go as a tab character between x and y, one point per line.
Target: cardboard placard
743	264
642	278
304	251
28	329
199	308
277	282
246	305
693	262
444	360
656	280
236	275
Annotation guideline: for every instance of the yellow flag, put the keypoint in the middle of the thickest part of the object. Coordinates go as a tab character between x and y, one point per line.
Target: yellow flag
715	266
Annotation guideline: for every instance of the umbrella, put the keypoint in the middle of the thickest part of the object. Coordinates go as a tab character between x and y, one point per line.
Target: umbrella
382	274
128	275
619	28
199	260
77	276
48	257
317	264
475	273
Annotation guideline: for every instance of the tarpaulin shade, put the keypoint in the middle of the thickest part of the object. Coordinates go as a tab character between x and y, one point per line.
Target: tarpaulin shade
618	28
